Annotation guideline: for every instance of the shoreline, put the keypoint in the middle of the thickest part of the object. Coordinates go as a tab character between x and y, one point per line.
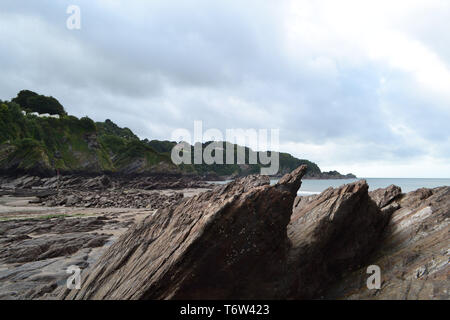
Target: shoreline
74	235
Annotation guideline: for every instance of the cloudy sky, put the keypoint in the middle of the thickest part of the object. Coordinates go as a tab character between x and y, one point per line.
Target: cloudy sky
357	86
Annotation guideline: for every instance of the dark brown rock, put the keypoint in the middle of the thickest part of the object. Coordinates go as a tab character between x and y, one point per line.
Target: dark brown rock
23	185
244	241
45	247
331	233
226	243
385	196
414	254
234	242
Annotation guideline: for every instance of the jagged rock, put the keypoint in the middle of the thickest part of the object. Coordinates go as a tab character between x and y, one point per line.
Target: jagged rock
21	228
226	243
36	252
239	241
108	199
71	200
414	255
243	240
36	279
302	201
330	234
25	183
385	196
46	247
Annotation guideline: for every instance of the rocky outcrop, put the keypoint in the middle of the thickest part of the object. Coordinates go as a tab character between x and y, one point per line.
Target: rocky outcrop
226	243
329	175
383	197
37	250
34	240
45	247
240	241
248	240
414	254
86	183
331	233
111	199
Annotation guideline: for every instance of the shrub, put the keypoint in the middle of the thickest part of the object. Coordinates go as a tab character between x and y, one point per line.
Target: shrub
23	96
88	124
42	104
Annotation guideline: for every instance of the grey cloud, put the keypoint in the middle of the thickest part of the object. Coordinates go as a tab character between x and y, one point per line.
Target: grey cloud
160	65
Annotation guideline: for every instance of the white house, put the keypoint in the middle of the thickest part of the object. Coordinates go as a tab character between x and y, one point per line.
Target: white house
43	115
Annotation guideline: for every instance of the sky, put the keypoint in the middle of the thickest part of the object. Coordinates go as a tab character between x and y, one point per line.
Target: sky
355	86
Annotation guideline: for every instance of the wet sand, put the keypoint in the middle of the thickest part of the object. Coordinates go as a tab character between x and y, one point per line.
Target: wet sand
47	240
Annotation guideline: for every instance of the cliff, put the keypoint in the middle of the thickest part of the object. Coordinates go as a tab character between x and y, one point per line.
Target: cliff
38	137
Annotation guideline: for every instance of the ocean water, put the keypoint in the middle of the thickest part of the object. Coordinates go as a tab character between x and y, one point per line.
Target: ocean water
407	184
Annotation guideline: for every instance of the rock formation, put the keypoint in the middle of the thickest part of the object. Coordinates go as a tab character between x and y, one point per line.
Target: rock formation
111	199
226	243
51	238
331	233
414	254
244	240
86	183
239	241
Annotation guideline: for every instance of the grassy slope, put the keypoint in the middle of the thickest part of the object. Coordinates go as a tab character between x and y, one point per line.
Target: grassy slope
40	145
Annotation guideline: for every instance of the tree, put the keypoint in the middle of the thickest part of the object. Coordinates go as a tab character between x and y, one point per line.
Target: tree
88	124
23	96
34	102
43	104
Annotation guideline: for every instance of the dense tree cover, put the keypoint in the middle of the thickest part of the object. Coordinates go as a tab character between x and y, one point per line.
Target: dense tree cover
56	143
287	161
23	96
110	128
69	143
88	124
33	102
161	146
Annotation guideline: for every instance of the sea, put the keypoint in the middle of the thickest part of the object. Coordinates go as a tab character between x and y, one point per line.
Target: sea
313	186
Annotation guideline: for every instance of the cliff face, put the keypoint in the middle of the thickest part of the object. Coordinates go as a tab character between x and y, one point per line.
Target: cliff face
249	240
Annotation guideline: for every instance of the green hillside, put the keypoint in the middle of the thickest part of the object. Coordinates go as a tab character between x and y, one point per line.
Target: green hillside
287	162
41	145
